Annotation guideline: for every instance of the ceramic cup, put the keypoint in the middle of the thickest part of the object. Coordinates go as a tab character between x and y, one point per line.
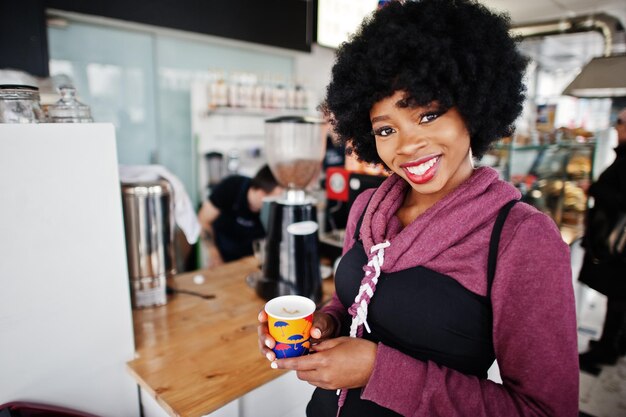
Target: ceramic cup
290	318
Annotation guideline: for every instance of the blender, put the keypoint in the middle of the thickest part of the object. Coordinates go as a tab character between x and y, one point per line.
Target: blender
294	147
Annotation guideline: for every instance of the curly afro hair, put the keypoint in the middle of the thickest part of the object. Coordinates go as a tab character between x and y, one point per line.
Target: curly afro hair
455	52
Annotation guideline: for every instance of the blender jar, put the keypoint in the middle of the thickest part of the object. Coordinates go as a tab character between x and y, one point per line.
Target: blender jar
294	149
20	104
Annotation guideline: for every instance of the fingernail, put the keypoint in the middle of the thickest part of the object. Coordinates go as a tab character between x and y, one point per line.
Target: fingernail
274	365
259	318
316	333
268	344
269	356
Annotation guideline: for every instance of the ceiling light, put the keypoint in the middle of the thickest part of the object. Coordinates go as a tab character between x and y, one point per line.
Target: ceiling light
601	77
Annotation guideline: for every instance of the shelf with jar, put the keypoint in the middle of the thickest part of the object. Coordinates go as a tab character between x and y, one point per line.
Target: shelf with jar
249	93
263	113
228	113
552	171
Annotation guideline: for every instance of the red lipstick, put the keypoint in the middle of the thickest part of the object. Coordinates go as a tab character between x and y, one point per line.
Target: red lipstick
422	170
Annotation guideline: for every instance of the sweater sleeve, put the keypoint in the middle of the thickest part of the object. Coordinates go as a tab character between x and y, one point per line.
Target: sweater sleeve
534	333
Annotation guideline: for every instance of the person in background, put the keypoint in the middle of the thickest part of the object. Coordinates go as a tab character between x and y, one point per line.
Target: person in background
230	219
608	277
335	155
426	295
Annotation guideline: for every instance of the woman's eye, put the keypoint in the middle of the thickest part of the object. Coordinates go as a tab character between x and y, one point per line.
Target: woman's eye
429	117
383	131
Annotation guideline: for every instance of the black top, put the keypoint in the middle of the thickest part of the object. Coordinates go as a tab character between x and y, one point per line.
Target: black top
236	226
421	313
609	193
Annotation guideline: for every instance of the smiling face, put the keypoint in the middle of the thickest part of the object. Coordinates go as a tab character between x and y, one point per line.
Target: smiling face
429	148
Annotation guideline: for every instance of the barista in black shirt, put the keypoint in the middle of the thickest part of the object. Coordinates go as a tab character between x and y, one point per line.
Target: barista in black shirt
230	219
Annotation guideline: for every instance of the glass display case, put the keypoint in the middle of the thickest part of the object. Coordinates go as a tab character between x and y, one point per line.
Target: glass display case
553	177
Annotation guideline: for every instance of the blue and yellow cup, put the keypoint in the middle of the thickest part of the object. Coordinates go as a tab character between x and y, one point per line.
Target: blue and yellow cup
290	318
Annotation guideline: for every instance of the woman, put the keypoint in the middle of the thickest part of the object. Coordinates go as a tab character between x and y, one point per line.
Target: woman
418	316
607	275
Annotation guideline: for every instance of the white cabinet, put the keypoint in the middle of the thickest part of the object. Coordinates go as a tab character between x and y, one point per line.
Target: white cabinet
286	396
65	314
151	408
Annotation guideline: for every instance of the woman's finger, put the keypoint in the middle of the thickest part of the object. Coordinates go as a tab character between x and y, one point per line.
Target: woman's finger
266	351
262	317
323	326
269	354
265	340
316	333
326	344
312	377
300	363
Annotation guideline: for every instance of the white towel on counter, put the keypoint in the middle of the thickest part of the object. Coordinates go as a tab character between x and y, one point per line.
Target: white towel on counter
184	213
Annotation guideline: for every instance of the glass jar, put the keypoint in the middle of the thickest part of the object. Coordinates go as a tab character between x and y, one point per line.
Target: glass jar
68	109
20	104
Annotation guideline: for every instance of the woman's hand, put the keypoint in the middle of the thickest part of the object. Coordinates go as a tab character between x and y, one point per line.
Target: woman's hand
343	362
323	328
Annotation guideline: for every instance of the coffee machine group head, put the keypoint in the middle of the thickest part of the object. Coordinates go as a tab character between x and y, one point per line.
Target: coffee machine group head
295	148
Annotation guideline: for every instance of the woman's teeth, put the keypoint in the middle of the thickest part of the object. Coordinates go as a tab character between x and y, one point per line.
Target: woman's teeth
422	168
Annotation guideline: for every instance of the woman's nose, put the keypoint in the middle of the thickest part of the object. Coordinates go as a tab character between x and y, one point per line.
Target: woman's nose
410	142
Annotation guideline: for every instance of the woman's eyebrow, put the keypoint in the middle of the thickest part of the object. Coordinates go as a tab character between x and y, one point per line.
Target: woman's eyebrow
379	118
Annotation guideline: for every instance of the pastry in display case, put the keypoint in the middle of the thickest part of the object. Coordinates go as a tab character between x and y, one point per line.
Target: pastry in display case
553	177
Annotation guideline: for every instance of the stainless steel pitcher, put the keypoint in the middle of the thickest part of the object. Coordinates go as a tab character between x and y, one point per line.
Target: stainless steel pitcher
149	225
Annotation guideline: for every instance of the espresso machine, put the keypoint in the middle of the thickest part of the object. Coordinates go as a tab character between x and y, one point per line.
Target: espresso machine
294	147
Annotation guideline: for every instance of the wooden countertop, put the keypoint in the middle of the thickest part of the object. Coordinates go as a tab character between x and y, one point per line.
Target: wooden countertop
196	355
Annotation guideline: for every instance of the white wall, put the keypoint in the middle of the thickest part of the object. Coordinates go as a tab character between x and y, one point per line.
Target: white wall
314	70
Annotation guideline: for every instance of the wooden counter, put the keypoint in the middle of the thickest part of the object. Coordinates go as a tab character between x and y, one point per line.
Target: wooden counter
196	355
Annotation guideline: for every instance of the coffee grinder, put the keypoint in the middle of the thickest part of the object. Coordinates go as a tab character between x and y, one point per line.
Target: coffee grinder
294	147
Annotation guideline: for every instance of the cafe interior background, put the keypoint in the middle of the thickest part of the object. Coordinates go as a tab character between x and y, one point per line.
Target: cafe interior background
187	86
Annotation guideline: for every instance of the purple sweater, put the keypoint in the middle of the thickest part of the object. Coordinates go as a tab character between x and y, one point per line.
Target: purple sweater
534	322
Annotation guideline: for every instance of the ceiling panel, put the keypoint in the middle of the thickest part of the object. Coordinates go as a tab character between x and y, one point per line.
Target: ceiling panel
561	52
536	10
564	52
